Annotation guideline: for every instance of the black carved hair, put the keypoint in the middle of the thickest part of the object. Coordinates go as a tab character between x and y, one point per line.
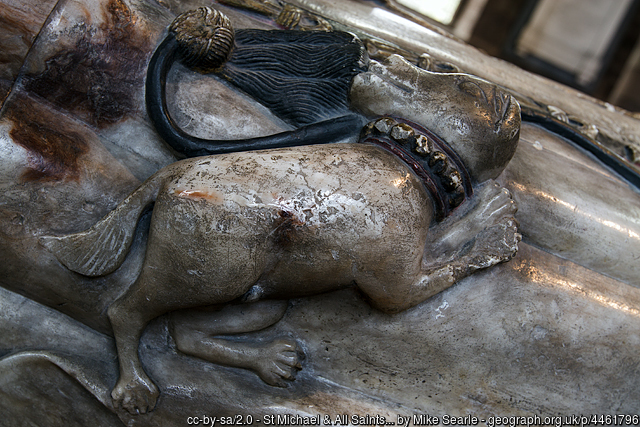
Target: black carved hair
303	77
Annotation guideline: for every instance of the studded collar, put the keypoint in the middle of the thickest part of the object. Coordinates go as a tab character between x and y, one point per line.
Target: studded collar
429	156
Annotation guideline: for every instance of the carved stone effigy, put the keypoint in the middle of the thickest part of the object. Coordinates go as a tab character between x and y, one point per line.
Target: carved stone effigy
355	265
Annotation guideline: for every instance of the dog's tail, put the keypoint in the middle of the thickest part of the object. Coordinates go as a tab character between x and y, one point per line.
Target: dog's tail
102	249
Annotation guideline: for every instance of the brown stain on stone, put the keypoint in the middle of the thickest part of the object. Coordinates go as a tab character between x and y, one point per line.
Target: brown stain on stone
102	77
287	227
54	147
16	24
199	195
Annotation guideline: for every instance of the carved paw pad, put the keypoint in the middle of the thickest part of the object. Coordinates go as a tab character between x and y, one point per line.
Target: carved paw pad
137	396
495	244
279	362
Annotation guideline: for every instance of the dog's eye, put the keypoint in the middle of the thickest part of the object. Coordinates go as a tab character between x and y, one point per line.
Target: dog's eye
472	89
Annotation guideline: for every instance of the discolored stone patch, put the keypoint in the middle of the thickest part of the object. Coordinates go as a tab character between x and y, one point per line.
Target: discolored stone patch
54	147
99	78
287	226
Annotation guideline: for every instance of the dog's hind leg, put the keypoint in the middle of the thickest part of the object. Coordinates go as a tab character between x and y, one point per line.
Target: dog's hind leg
146	299
129	315
162	288
196	333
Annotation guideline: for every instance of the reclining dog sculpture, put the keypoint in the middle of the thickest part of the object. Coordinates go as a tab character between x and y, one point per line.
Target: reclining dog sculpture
291	222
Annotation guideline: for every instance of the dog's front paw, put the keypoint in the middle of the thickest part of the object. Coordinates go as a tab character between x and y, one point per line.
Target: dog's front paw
137	396
279	362
495	244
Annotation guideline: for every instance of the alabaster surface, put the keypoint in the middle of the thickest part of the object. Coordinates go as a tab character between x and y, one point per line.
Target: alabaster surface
554	330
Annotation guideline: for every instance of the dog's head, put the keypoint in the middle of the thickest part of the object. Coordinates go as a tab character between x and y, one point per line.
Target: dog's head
477	119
